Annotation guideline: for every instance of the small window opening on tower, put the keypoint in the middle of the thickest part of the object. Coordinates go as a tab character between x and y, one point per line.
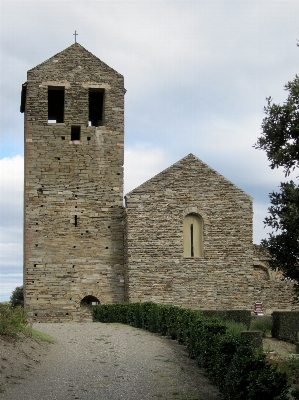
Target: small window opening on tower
55	104
75	132
23	97
96	107
76	220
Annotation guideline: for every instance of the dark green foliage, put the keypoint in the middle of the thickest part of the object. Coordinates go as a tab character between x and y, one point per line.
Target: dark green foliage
292	365
284	217
241	316
286	325
235	328
185	320
262	323
295	394
250	377
230	360
17	297
280	137
12	320
280	140
226	349
254	337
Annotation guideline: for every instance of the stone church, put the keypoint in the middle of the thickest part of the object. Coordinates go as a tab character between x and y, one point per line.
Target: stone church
184	237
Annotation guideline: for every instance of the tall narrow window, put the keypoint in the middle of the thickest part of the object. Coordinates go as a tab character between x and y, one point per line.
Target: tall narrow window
56	104
193	240
96	107
75	132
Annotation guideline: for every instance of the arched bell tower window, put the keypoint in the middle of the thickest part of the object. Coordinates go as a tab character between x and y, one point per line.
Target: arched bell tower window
193	239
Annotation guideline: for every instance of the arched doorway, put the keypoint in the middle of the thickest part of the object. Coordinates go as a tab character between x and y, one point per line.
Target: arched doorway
85	313
88	301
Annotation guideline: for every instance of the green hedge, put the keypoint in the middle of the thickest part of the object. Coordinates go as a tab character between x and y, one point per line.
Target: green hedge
285	325
230	360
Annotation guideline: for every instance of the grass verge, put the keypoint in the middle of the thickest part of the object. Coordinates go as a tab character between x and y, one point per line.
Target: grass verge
41	335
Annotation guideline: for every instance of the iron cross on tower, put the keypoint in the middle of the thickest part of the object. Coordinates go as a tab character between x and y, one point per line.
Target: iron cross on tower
75	34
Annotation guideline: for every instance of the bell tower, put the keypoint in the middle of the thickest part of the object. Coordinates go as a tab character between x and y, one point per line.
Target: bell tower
73	106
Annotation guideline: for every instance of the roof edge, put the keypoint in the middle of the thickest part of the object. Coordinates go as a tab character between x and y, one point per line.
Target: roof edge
66	49
189	156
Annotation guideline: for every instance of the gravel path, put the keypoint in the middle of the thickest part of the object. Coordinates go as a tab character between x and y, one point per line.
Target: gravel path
97	361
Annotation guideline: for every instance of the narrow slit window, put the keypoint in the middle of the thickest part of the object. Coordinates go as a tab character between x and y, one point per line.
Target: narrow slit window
75	133
96	107
191	241
193	236
76	220
55	104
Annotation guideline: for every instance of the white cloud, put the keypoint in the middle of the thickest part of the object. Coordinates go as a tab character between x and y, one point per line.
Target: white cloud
11	198
11	218
8	282
260	231
142	162
11	255
11	178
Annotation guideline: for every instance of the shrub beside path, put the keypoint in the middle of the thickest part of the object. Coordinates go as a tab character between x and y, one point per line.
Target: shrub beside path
98	361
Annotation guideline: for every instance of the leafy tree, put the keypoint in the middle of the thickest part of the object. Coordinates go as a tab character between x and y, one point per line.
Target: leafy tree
280	137
17	297
280	140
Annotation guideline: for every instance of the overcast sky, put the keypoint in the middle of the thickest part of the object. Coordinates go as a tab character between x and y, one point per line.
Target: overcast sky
197	74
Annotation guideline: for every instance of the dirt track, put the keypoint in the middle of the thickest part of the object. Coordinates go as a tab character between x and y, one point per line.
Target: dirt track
107	362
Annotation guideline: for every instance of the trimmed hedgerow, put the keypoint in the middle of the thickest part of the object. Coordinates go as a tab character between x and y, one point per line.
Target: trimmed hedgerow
230	360
285	325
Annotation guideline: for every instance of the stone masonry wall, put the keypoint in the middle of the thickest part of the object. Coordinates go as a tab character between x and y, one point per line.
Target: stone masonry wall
270	287
78	240
65	180
155	267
